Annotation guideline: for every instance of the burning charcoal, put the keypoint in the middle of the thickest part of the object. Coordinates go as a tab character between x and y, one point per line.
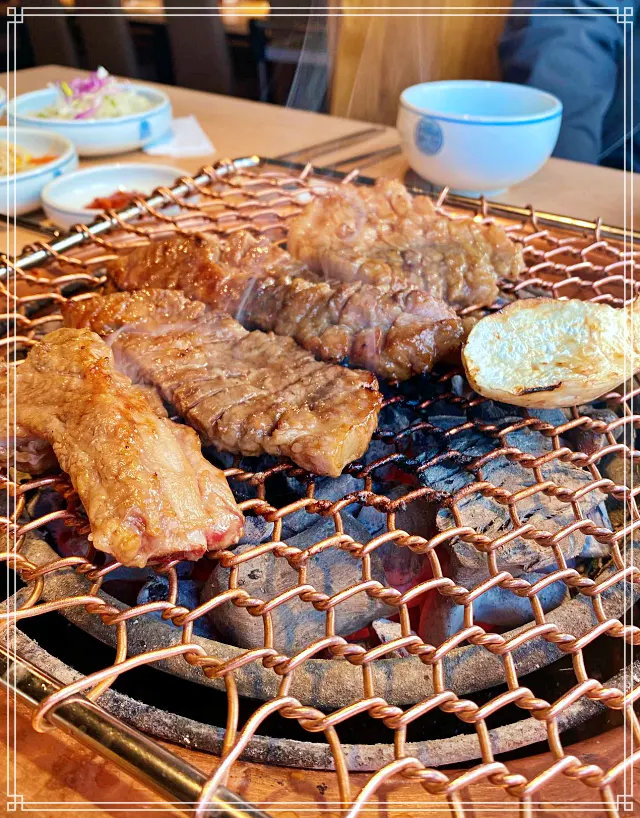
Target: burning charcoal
376	451
373	520
256	530
326	488
157	589
441	617
555	417
590	441
297	623
624	472
387	631
490	411
395	418
546	513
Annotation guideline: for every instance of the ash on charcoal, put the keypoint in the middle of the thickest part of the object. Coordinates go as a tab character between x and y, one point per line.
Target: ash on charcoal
457	385
326	488
373	520
395	418
297	623
491	411
387	631
555	417
546	513
376	451
256	530
417	517
442	617
156	589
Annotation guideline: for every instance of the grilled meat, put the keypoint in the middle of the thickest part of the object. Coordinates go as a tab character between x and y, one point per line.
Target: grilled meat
383	235
395	333
147	490
245	392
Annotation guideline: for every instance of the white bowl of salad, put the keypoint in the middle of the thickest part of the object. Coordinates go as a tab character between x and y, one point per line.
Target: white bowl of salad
30	158
99	114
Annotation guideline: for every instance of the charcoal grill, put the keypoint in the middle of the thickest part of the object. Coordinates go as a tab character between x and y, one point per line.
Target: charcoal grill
334	681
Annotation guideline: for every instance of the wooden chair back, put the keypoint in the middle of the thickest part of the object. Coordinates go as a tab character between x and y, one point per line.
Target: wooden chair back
49	34
200	52
107	37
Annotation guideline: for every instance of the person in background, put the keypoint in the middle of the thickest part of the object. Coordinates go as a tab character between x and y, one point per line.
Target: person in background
575	49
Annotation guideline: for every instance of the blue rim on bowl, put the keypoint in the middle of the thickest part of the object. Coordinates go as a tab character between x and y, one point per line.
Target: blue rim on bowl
163	103
442	101
66	145
20	192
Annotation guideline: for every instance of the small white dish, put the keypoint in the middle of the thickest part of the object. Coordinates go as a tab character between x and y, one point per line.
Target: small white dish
477	137
65	200
20	193
98	137
3	101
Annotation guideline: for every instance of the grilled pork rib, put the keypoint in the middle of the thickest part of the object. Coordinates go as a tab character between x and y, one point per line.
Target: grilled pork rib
147	490
394	333
383	235
245	392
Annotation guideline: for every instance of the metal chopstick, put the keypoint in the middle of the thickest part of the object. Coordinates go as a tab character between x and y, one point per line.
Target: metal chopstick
27	224
167	774
332	145
363	160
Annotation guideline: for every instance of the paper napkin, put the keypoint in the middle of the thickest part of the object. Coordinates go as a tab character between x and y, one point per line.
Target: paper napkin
186	138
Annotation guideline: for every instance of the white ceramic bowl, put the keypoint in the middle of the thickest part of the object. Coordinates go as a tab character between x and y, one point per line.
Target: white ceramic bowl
98	137
477	137
65	200
21	193
3	101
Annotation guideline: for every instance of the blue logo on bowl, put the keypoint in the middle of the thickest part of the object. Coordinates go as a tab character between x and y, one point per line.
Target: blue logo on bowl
429	138
145	129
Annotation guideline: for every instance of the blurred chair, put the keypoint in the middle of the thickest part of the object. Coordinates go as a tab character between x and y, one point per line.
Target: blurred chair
49	34
294	39
200	52
107	38
378	57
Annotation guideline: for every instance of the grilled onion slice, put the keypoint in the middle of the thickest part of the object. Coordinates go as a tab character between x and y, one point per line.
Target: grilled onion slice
544	353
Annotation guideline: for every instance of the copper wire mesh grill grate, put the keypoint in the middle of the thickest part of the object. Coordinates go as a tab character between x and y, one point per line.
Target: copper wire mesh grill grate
601	446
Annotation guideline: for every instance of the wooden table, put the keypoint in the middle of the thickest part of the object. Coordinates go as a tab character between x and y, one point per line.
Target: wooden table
54	768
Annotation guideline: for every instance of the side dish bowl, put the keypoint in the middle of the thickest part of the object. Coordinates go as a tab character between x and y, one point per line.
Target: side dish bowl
478	137
97	137
66	201
20	192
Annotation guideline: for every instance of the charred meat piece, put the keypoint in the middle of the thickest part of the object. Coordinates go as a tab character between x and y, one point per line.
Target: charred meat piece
383	235
245	392
396	332
146	488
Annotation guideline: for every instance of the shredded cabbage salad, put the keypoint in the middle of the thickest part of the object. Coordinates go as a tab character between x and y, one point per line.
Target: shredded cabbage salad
99	96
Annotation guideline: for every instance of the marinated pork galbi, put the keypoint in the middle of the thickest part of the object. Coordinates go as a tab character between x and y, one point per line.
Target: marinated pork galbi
245	392
394	333
384	235
148	492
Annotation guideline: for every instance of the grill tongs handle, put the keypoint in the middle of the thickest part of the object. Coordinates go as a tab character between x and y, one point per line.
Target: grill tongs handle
144	759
